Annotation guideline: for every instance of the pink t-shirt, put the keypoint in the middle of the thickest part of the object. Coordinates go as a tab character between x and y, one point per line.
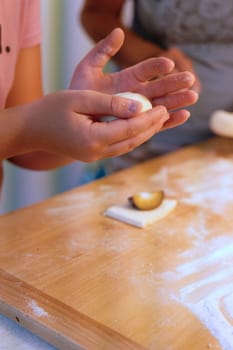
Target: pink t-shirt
20	27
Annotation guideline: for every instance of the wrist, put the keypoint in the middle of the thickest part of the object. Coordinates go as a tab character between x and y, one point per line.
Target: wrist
15	133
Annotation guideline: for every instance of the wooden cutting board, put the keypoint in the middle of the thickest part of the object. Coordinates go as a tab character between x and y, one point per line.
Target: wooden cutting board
81	280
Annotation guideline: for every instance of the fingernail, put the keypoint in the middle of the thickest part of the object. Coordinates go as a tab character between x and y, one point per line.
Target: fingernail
133	106
164	113
161	109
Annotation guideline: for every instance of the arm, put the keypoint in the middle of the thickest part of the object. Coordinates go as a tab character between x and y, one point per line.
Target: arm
45	132
67	124
27	87
100	17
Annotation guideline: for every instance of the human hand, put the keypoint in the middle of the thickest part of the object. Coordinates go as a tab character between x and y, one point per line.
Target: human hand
150	78
67	123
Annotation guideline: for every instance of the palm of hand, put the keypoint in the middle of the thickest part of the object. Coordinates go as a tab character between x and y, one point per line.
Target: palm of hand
89	72
171	90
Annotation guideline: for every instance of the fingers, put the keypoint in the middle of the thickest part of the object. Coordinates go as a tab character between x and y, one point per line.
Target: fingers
184	63
126	146
197	86
105	49
169	84
122	136
176	118
147	70
122	130
177	100
98	104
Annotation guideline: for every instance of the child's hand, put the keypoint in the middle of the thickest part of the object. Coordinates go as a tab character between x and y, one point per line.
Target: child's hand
67	123
171	90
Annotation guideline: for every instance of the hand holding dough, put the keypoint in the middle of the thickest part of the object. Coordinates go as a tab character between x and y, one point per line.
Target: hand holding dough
146	104
221	123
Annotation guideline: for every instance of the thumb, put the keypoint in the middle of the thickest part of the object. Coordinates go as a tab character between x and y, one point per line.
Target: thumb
105	49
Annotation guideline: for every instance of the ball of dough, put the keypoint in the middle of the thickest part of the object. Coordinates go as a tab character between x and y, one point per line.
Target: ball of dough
221	123
146	104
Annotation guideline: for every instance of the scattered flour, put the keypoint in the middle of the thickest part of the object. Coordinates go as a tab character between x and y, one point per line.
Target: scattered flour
195	180
209	295
37	310
201	282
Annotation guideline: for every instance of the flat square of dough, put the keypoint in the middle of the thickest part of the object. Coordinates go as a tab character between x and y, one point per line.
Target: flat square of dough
140	218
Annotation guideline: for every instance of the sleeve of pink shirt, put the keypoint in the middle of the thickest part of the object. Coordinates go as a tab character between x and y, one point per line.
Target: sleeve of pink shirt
31	23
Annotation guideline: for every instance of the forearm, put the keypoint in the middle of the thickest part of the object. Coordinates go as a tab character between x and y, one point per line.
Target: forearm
13	132
17	141
40	160
135	49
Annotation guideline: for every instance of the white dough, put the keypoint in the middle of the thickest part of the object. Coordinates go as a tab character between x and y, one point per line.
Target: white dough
221	123
140	218
146	104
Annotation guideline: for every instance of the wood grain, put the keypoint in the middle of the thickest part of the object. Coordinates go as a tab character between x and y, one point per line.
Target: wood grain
81	280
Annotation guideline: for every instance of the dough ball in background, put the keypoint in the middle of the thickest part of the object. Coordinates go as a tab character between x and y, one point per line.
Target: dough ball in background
221	123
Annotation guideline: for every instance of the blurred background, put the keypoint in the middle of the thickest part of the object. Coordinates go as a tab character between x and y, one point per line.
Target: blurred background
64	45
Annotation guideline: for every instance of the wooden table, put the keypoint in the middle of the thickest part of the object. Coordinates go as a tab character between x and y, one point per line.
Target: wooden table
81	280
